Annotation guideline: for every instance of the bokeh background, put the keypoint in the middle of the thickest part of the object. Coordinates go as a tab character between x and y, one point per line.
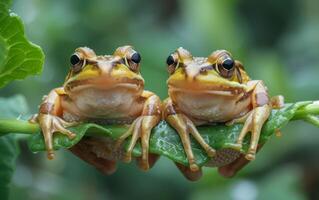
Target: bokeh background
278	42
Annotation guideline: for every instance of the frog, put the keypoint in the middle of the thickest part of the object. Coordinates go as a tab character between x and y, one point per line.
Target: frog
106	89
212	90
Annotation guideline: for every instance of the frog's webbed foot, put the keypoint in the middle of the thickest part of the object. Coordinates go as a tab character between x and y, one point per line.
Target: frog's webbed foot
140	128
253	124
184	127
51	124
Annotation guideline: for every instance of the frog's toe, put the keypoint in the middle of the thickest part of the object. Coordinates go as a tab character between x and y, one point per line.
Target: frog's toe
193	167
148	163
50	155
144	165
143	161
250	156
193	130
210	151
68	133
127	158
189	174
60	128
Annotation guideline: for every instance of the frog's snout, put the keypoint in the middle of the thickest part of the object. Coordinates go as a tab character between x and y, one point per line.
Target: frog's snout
105	67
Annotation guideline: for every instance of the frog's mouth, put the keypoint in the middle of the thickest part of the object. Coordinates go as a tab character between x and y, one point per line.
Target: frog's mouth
105	84
212	91
229	89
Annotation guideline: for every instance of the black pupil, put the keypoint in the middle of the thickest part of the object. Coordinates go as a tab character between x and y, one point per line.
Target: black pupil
74	59
228	64
136	57
170	60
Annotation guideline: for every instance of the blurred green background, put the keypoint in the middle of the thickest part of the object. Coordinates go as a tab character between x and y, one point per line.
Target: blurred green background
278	42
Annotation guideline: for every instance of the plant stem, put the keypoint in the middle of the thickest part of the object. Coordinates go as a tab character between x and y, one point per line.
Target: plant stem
309	110
17	126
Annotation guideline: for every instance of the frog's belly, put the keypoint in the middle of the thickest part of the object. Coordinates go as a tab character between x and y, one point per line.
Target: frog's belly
120	103
211	107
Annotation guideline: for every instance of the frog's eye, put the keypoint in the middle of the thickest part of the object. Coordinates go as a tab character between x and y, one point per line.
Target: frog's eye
228	64
170	60
76	62
171	63
75	59
134	61
136	57
226	68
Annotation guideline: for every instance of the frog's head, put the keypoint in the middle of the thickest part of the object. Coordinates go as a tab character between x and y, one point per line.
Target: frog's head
89	70
219	72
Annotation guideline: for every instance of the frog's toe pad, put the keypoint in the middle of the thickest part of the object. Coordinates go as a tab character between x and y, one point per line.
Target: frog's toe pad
50	155
72	135
144	165
127	157
193	167
211	152
250	156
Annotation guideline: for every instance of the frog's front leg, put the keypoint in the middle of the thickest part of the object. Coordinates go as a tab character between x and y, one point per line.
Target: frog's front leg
184	126
141	128
255	119
231	169
50	121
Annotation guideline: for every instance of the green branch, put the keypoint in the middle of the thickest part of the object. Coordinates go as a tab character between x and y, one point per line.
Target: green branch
17	126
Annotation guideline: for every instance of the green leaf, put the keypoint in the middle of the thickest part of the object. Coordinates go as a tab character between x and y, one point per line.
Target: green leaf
18	56
36	142
9	108
166	142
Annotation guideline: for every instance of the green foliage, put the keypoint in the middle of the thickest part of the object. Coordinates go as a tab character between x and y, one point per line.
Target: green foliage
166	142
18	56
9	108
18	59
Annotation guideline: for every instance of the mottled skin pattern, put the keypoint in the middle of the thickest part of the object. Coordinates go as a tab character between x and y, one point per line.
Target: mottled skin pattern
108	89
209	90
